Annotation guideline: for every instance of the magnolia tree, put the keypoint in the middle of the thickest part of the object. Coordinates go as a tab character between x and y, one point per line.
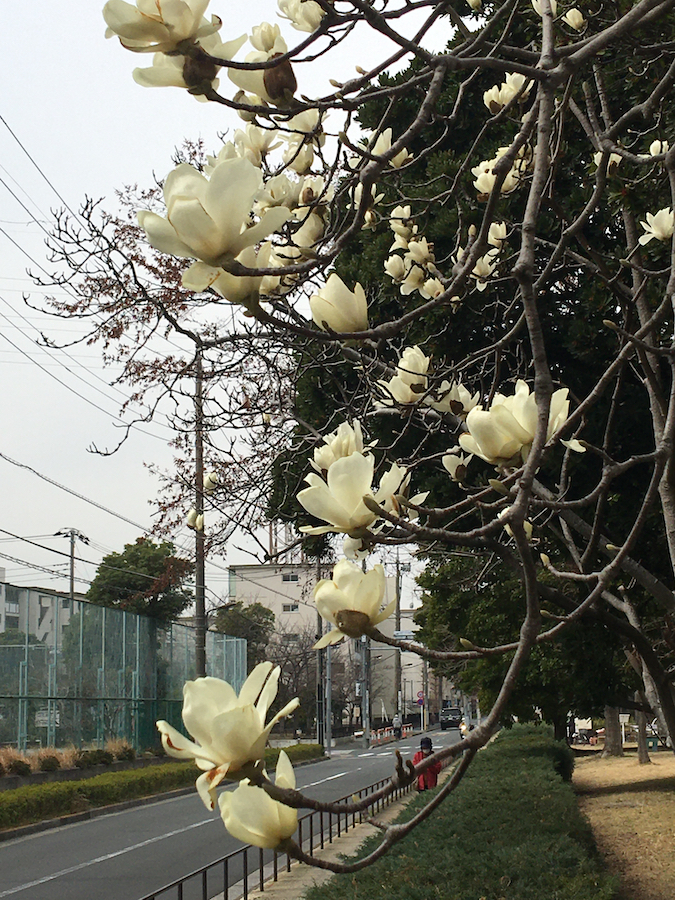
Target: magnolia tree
473	258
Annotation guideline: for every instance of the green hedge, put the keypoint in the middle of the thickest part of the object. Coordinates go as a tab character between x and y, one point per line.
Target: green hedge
34	803
511	831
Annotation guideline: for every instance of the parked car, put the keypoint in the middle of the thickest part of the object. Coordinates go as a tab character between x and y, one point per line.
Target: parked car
450	717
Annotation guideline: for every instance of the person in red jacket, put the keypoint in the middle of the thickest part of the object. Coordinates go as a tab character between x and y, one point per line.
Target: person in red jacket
429	778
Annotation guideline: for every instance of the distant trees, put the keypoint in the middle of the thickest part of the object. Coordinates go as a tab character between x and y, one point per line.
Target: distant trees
145	578
254	623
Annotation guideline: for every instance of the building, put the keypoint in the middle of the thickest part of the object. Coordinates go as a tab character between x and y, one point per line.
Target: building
286	589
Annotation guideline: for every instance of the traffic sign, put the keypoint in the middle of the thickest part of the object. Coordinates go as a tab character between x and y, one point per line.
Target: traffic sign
420	702
403	635
420	694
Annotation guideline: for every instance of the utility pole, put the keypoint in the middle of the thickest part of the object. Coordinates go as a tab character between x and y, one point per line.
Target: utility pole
397	658
74	535
320	681
329	701
200	597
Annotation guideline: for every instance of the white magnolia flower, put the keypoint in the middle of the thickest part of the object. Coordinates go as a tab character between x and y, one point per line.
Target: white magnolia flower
401	223
536	5
230	729
420	251
208	218
183	72
475	5
342	442
383	145
351	601
414	280
304	15
454	398
342	310
499	96
410	381
613	161
507	429
432	288
575	19
339	499
254	143
158	26
253	817
497	234
265	36
527	525
485	266
658	147
659	225
395	268
210	482
455	463
272	84
243	289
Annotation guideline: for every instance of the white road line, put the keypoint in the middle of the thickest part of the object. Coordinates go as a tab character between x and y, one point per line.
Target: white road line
92	862
323	781
365	754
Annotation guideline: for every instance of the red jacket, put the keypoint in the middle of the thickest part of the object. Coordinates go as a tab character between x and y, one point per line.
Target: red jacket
429	778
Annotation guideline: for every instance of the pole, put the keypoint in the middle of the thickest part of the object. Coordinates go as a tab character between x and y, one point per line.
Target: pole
320	685
425	688
397	659
200	600
329	700
72	567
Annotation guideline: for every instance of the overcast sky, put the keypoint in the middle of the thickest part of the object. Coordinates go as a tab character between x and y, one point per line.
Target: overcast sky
74	123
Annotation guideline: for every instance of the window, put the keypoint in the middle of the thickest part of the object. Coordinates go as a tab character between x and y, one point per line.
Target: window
11	622
290	576
11	606
290	607
65	603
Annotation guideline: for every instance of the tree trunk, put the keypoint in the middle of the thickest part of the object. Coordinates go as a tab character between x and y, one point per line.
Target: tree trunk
641	718
560	727
613	744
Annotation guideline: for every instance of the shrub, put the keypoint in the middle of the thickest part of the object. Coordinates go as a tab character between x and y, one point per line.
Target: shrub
512	830
83	759
49	762
121	750
2	769
19	766
100	757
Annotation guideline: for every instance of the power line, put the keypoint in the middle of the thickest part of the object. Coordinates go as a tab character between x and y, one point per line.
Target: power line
23	562
68	490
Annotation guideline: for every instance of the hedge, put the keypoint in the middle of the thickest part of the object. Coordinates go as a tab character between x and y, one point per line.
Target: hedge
511	831
34	803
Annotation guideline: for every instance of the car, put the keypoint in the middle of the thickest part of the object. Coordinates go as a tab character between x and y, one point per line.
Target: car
450	717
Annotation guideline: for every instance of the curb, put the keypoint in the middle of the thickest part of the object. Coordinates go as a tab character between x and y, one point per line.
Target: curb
73	818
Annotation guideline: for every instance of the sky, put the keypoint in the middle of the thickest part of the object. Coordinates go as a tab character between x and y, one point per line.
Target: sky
73	123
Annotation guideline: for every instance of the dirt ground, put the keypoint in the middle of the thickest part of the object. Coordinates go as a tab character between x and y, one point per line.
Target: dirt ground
631	809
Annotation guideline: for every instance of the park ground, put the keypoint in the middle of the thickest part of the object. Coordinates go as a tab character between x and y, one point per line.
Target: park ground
631	809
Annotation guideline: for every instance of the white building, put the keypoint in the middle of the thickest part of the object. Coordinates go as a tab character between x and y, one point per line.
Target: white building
286	589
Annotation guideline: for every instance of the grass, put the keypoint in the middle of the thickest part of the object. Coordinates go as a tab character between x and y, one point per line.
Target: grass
511	831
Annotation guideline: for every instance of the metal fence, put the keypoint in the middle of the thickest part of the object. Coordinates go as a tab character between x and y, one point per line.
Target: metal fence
248	869
75	673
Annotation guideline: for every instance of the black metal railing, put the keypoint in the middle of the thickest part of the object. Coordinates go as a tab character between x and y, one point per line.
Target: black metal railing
246	869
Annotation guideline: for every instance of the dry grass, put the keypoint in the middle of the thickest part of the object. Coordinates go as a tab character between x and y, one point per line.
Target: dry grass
631	809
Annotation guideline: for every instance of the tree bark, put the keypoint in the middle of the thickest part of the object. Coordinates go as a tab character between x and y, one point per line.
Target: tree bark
641	718
613	745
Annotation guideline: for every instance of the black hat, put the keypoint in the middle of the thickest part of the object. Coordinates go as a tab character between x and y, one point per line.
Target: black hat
425	743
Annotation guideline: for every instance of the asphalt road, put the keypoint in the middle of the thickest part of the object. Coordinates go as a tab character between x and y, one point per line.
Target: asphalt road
126	855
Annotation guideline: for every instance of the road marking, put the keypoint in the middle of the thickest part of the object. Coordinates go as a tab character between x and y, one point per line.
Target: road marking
323	781
365	754
92	862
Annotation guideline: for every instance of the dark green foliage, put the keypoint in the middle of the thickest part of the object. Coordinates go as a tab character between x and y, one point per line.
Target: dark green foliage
125	752
581	672
83	760
146	578
254	623
49	763
100	757
18	766
511	831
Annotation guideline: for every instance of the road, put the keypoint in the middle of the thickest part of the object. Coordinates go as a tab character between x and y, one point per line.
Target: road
126	855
